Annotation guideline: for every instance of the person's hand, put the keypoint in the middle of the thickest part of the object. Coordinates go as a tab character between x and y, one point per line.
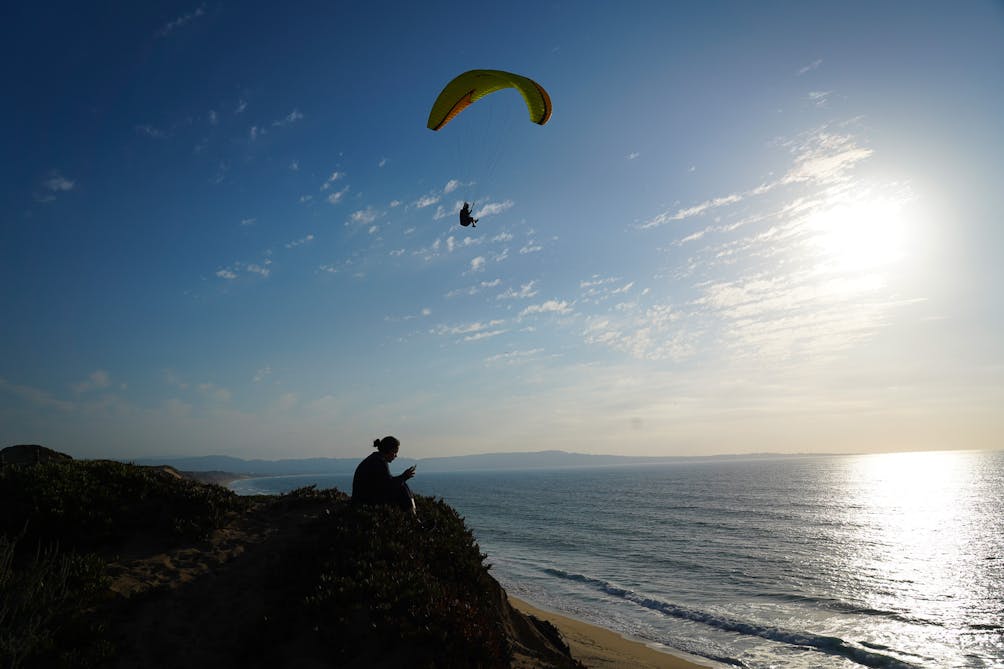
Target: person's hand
409	472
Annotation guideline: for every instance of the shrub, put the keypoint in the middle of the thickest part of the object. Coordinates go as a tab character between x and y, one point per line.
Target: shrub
45	609
376	582
87	504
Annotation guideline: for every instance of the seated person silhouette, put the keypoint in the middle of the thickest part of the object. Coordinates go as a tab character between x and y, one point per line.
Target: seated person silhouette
372	482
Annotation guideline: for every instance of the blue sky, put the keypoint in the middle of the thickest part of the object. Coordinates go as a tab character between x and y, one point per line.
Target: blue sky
747	227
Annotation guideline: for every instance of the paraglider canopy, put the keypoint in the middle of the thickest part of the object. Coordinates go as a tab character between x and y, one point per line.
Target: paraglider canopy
476	84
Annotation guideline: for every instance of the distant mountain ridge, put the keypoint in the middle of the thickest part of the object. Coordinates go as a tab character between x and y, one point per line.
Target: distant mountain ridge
489	461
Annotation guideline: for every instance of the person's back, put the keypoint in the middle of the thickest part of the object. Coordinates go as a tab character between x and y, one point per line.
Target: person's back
370	482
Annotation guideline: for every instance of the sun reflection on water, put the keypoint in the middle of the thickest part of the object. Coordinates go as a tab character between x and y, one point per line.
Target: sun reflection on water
916	518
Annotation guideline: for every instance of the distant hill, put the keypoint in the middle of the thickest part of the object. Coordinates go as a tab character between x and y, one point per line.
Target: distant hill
29	454
485	461
535	460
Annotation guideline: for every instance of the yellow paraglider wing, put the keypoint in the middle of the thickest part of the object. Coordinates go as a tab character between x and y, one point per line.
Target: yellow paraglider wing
475	84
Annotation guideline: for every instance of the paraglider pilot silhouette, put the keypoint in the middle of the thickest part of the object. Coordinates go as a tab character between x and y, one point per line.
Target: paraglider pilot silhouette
466	218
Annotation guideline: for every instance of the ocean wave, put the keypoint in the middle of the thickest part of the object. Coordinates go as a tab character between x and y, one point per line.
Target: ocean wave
830	645
847	607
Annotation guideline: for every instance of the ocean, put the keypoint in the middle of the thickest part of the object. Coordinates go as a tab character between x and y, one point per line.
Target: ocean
890	560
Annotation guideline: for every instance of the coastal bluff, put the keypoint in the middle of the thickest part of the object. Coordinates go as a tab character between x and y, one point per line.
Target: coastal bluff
107	564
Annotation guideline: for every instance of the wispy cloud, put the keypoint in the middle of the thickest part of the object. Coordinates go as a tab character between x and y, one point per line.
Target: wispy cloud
423	313
819	98
531	247
820	157
181	21
633	155
484	335
526	291
336	197
262	269
597	289
248	221
650	333
474	289
426	201
363	217
452	243
688	212
221	172
761	286
97	380
285	402
560	307
215	392
35	396
53	185
148	130
300	242
173	380
514	357
796	315
232	272
814	65
825	158
471	331
291	117
493	208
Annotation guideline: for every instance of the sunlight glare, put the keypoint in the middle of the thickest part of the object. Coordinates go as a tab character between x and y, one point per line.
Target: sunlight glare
859	236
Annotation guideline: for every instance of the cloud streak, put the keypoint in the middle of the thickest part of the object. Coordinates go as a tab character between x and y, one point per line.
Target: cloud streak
820	158
181	21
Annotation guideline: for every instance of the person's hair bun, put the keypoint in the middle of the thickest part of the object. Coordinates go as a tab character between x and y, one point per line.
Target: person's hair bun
388	443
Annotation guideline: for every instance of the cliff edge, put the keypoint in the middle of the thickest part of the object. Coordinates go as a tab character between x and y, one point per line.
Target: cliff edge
109	564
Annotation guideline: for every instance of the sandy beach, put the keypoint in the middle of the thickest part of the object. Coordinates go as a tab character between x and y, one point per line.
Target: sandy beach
599	648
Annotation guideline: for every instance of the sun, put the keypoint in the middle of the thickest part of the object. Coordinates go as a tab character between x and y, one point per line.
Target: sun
859	236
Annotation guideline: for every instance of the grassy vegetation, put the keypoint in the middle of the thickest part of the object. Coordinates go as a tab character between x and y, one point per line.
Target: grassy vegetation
45	609
359	586
56	517
95	504
372	585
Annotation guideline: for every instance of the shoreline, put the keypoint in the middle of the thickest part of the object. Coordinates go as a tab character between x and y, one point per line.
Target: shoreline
597	647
